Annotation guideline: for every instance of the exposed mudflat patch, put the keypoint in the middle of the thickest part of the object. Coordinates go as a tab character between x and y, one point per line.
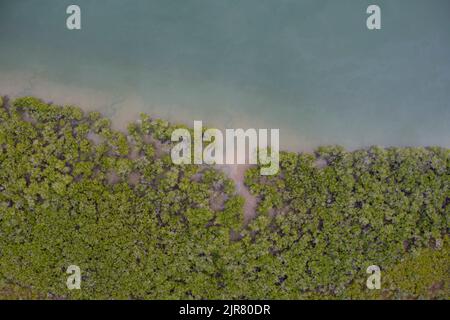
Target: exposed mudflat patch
236	172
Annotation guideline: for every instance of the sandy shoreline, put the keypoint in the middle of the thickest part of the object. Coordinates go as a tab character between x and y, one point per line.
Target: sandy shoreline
124	107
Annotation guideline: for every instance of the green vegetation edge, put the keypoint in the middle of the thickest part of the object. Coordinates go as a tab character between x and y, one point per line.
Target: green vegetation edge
74	191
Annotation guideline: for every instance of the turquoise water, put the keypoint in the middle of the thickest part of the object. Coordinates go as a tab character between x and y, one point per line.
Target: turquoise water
308	67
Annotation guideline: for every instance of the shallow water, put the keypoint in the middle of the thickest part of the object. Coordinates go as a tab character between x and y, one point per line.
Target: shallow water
308	67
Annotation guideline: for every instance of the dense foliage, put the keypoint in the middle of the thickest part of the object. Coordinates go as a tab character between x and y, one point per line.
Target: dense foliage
330	215
73	191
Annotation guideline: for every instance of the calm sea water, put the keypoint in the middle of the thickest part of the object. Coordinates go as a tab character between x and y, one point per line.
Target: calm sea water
308	67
